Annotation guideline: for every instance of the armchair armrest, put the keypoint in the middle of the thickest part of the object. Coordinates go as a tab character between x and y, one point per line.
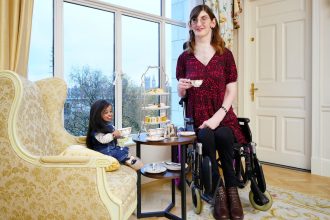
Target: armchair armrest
65	159
80	155
81	139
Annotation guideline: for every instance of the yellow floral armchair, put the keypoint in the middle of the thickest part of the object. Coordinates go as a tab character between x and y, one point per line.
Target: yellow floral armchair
38	180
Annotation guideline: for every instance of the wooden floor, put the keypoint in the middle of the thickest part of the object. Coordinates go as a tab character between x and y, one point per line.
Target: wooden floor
299	181
156	195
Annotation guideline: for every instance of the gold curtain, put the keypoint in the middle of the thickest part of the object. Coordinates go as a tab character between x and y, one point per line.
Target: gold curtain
15	32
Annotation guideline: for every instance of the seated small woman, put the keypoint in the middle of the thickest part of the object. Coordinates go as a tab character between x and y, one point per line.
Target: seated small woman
102	135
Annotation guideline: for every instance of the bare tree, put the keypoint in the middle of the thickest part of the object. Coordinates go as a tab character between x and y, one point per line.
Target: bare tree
89	85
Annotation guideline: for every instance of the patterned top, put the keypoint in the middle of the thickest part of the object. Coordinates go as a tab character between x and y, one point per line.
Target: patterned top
207	99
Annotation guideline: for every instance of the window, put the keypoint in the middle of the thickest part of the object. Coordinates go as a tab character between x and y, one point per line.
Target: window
175	38
140	46
88	62
174	9
41	45
104	48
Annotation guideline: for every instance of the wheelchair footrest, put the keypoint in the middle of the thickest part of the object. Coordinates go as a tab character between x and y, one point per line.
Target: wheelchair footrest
259	196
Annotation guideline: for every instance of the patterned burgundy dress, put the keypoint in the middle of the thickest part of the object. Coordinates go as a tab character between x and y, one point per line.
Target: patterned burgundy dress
207	99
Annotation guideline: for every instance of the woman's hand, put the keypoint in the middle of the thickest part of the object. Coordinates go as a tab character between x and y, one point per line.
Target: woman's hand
212	123
116	134
183	85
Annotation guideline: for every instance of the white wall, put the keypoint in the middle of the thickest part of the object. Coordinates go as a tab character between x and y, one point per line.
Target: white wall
321	90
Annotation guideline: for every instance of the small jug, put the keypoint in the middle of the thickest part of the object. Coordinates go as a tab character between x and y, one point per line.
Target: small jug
171	131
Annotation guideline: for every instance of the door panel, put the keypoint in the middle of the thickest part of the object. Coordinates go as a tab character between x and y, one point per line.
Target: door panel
280	68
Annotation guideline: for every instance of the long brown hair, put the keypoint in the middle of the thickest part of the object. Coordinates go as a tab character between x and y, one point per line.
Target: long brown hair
96	122
216	41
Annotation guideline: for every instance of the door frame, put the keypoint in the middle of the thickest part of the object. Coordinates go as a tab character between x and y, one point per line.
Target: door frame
244	80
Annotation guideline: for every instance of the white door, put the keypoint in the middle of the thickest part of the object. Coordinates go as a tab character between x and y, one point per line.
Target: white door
279	64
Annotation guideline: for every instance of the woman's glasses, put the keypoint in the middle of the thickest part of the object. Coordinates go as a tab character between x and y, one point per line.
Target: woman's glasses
203	20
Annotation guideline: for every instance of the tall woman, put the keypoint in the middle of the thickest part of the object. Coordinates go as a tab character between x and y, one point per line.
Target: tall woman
210	105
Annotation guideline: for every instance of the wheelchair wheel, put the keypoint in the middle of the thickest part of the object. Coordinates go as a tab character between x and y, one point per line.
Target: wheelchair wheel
261	207
196	198
259	175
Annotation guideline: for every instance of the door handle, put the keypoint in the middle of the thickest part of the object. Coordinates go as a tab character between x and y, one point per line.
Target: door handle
252	91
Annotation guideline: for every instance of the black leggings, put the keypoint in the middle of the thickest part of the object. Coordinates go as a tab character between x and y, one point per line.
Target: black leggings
221	139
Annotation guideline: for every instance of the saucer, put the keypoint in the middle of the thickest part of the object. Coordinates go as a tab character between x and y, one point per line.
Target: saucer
187	133
154	168
173	166
155	138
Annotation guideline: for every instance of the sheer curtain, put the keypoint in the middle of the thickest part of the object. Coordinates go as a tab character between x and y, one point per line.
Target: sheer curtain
15	31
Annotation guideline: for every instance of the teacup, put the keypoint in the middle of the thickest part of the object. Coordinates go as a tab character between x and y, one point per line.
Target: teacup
153	120
124	132
153	132
196	83
160	131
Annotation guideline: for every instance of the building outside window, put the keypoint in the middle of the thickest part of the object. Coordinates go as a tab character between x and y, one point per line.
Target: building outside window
101	50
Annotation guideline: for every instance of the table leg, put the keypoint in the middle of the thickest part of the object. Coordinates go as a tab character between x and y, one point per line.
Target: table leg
173	150
165	213
183	149
138	184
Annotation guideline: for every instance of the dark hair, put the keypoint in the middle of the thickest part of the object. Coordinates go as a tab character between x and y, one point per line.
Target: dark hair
216	41
96	123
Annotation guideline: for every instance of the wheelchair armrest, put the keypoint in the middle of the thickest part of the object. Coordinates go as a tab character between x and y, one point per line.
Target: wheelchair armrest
244	124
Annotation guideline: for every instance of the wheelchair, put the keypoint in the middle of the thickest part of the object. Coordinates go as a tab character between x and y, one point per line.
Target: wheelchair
246	166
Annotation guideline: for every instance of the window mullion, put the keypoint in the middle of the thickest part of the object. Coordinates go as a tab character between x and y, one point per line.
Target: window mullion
58	38
118	70
162	54
163	8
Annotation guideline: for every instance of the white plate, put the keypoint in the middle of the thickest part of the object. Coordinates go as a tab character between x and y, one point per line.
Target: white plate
154	168
173	166
187	133
152	138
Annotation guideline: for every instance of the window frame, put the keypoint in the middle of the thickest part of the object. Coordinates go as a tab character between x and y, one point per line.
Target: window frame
118	13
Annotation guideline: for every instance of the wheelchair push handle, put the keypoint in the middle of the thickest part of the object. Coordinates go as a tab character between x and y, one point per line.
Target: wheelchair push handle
244	120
